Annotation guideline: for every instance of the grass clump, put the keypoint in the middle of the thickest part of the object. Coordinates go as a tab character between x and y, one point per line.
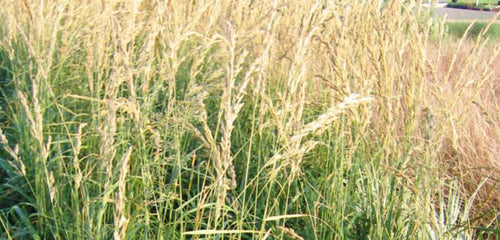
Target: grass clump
242	120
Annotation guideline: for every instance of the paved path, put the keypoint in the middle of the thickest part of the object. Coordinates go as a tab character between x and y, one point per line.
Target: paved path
463	14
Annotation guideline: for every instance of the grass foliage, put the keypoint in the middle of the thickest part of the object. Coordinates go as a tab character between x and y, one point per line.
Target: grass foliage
243	120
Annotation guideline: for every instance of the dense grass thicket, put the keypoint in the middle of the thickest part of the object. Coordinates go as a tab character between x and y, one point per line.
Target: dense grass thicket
252	119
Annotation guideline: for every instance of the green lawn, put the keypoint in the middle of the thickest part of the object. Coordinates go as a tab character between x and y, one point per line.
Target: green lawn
458	28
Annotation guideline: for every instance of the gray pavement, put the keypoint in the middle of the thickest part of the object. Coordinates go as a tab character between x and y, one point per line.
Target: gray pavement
463	14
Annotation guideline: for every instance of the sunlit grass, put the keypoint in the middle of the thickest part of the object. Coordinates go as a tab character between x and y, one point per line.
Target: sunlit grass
244	120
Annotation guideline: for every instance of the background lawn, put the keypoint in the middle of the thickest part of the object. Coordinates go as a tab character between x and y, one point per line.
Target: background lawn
458	28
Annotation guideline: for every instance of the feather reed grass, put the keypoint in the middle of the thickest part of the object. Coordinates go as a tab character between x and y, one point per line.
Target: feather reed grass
244	120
